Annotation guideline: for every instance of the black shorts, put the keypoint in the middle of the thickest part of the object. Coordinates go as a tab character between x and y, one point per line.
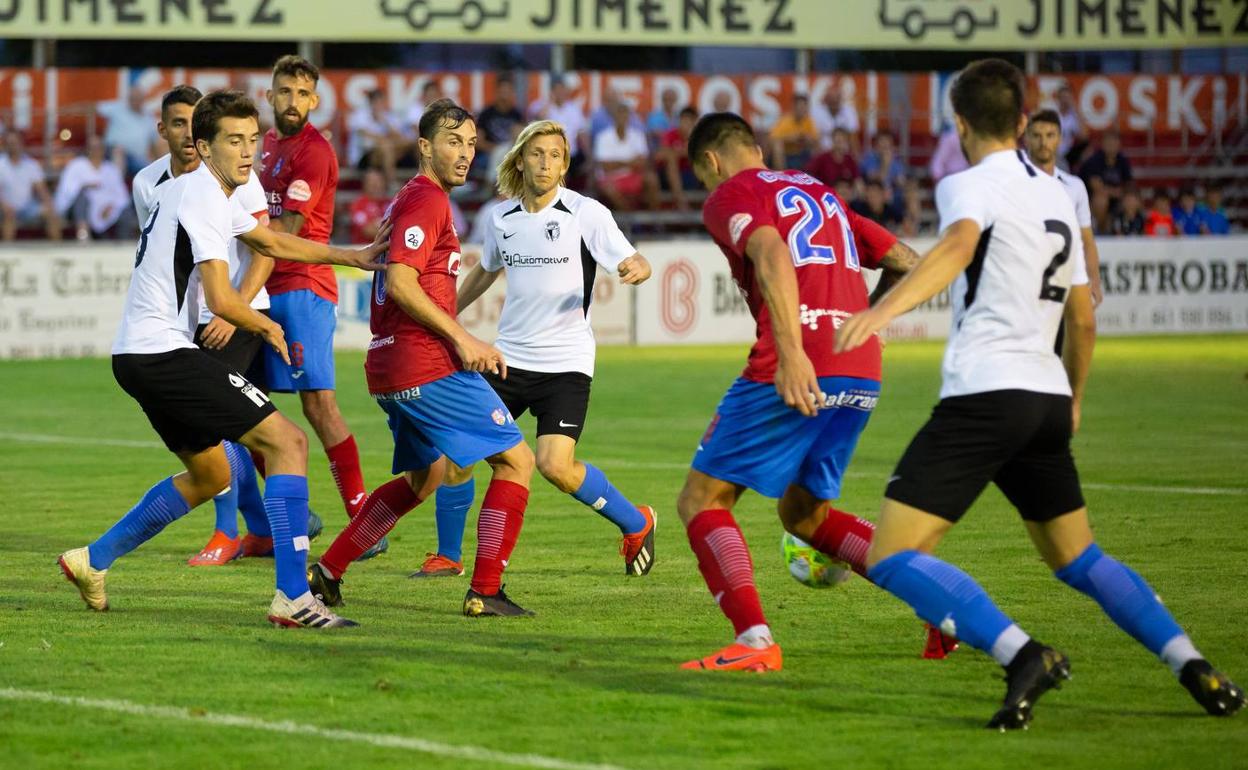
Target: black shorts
192	400
1017	439
241	353
559	401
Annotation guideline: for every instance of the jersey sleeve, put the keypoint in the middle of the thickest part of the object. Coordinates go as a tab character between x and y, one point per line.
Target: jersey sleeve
732	214
959	197
210	223
313	177
416	228
606	243
491	259
1079	277
872	239
142	192
251	197
1083	210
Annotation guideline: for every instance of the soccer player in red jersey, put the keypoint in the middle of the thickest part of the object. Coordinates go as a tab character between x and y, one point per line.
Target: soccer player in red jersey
788	426
424	370
299	171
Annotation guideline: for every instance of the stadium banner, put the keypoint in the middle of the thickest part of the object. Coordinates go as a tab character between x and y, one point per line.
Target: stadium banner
933	24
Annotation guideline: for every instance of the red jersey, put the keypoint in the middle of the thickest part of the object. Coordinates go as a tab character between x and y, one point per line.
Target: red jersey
300	173
829	244
404	353
365	211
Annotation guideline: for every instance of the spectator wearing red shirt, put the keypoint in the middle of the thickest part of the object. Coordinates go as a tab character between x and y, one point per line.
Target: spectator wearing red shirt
673	157
835	164
1160	222
368	209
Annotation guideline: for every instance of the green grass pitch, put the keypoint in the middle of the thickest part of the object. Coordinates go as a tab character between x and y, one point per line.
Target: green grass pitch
593	678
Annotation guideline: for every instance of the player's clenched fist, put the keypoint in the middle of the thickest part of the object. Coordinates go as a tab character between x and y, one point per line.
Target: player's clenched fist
797	383
634	270
478	356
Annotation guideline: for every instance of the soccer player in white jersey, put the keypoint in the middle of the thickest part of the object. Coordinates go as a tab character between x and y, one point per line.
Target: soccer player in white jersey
193	401
1008	408
1044	133
236	349
550	241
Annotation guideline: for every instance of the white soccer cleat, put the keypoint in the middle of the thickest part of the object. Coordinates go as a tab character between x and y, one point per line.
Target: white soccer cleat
76	565
304	612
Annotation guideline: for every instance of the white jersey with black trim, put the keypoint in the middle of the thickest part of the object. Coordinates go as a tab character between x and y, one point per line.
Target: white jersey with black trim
191	222
1008	303
551	258
1078	193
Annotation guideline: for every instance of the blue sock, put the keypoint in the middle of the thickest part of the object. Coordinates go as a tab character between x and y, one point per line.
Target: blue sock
944	596
249	500
226	503
1126	598
286	503
597	493
161	505
453	504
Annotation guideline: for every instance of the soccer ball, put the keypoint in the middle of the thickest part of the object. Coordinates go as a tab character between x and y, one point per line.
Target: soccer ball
811	567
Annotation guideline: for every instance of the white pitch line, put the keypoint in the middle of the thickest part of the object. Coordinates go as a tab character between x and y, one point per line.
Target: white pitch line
42	438
382	740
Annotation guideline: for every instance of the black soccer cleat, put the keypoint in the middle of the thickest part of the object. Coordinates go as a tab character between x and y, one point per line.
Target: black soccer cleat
1035	670
479	605
324	587
1218	695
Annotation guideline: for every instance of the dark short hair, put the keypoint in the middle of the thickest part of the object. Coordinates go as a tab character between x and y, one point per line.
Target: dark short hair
443	113
296	66
716	130
431	83
376	93
1045	116
688	112
182	94
206	120
874	182
988	95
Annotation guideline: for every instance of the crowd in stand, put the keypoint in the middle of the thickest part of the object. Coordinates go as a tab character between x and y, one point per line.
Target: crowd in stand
632	162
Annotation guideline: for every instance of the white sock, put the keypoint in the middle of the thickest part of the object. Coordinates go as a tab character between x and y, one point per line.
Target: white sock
1008	644
1177	652
756	637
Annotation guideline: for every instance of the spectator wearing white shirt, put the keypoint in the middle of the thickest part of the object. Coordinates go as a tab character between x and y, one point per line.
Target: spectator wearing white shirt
602	118
430	93
948	157
376	137
92	191
131	134
834	112
623	171
24	196
1074	137
560	108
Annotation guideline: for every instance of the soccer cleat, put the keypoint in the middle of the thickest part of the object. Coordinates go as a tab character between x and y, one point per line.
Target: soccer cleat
437	565
738	657
380	547
1035	670
315	525
304	612
638	548
1218	695
498	605
221	549
76	565
255	545
324	587
939	644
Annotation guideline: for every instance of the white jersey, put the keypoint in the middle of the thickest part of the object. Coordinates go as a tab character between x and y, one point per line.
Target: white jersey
1008	302
551	258
192	222
250	198
1078	193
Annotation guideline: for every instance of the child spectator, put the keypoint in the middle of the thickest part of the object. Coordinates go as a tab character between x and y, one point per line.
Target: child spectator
1186	217
1213	218
1130	217
1159	223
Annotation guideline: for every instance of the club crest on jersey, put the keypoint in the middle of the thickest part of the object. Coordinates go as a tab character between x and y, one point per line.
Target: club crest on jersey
552	231
299	190
278	168
413	237
498	416
737	225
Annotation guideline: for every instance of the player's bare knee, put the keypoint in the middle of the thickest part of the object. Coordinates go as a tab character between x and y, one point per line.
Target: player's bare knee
558	471
455	475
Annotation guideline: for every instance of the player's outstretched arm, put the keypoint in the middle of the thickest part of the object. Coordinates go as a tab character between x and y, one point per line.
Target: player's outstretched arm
1078	343
934	271
634	270
1093	261
474	285
228	304
796	381
279	245
899	260
403	286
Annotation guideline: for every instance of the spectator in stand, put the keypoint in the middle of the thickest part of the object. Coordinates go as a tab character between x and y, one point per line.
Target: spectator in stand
876	206
673	158
948	157
604	117
665	117
376	138
912	210
845	191
721	102
1185	214
832	113
131	134
1100	211
1108	165
794	137
561	108
495	124
1074	138
1129	219
24	196
624	173
429	93
369	208
1213	218
835	164
92	192
881	163
1160	223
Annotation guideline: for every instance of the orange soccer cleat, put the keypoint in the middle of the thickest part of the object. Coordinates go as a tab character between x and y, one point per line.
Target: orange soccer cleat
255	545
638	548
221	549
738	657
437	565
939	644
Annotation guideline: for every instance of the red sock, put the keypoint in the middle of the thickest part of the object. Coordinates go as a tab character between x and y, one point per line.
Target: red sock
498	528
344	466
385	506
726	566
258	460
846	537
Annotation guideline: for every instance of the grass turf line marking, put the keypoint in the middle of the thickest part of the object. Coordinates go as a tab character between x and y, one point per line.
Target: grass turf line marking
381	740
42	438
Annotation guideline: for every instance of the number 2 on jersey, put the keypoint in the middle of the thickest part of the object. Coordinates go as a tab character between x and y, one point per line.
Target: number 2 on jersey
1047	290
815	214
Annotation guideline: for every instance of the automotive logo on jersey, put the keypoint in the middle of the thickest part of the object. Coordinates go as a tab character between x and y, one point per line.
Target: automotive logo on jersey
299	190
552	231
471	14
511	259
